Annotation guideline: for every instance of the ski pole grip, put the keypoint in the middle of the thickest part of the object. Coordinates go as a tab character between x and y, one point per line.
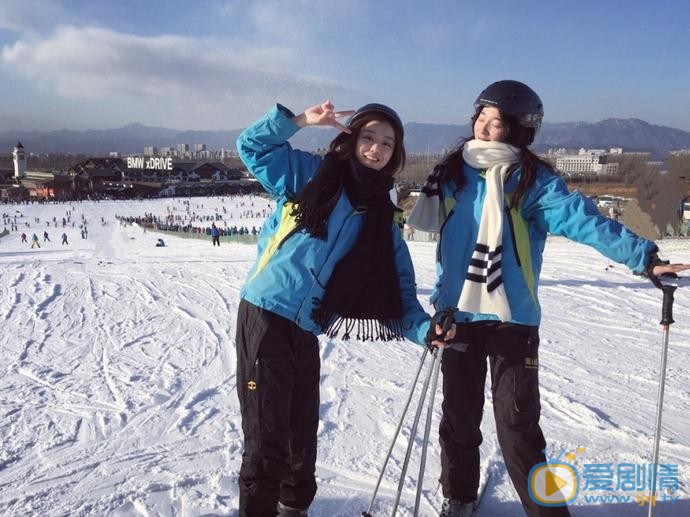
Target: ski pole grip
667	304
445	320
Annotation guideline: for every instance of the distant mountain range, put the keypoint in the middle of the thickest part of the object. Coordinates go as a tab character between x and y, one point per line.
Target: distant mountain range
630	134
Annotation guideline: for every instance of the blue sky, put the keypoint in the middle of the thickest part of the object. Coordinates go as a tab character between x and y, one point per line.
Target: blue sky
214	64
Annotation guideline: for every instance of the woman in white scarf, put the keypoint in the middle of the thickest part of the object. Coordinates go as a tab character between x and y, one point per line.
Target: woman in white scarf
492	201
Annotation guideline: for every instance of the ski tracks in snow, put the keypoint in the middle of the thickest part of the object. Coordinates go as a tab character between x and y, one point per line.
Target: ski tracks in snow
117	379
117	385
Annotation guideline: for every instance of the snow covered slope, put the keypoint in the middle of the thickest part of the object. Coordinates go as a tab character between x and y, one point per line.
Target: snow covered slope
117	375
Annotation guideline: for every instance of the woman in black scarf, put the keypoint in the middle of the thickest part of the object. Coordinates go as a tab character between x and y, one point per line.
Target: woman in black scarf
331	260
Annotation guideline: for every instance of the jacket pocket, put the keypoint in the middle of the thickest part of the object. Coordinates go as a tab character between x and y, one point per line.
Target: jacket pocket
526	390
251	330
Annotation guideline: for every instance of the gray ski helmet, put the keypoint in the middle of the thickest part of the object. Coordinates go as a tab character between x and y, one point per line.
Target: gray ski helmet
379	109
516	99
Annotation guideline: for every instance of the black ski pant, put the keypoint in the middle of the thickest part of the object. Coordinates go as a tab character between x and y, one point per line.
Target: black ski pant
512	351
278	373
216	240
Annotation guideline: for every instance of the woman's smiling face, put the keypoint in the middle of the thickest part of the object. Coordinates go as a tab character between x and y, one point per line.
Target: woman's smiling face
489	126
375	144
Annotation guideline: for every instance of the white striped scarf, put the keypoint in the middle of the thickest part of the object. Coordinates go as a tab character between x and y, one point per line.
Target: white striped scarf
483	290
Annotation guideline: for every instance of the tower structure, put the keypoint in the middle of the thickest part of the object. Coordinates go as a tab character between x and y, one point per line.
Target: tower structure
19	158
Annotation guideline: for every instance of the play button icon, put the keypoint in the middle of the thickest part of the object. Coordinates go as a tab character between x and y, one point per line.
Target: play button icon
553	484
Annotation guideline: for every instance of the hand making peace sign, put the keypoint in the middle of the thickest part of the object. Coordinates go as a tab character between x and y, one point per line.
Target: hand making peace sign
323	114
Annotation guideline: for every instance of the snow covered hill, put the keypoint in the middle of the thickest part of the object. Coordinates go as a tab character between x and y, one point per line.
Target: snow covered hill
117	375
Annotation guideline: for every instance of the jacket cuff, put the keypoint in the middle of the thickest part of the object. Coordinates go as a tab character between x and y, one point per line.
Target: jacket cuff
280	120
288	113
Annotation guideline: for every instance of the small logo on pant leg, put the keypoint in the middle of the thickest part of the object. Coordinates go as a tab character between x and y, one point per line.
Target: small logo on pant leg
532	363
251	385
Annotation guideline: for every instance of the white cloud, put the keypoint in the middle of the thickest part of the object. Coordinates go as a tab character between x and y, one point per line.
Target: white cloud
211	82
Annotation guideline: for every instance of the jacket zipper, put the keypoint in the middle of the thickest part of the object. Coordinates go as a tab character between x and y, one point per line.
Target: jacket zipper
316	274
287	236
440	236
337	237
512	236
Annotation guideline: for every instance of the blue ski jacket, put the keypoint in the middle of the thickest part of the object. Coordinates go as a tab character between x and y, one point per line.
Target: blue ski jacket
292	268
547	207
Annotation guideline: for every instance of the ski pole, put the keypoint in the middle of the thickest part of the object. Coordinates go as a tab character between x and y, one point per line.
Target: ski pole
427	430
413	434
445	320
666	321
397	432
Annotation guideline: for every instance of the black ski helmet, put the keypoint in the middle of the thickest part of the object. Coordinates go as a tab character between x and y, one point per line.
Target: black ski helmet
380	109
516	99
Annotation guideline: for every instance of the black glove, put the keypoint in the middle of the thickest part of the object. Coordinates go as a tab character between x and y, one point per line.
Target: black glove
443	318
654	261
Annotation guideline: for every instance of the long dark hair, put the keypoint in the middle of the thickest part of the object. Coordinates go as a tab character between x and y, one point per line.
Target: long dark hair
450	168
343	146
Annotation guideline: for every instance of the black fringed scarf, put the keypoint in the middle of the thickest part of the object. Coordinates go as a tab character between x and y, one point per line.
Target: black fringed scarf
364	289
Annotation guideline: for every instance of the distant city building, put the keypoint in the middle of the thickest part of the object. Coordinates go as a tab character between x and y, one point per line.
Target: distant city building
201	153
114	154
182	150
187	152
586	161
